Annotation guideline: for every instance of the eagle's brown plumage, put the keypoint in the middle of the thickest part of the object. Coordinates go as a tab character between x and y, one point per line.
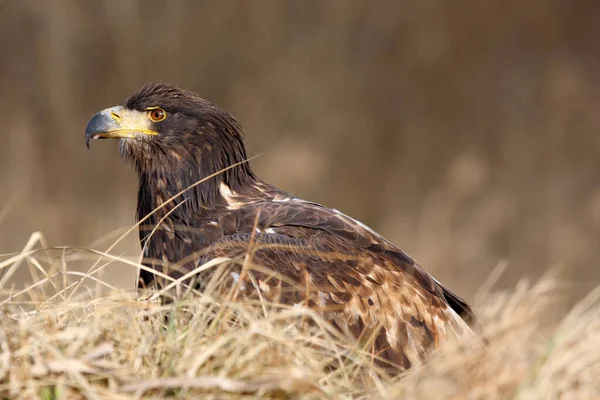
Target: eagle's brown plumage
319	256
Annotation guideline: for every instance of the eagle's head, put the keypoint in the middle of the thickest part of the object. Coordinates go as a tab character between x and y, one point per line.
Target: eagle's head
167	130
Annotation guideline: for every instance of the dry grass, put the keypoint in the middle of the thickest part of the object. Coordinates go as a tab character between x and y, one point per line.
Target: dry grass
71	336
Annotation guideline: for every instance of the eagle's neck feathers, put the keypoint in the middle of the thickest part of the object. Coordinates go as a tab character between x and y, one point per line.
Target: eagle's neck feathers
195	191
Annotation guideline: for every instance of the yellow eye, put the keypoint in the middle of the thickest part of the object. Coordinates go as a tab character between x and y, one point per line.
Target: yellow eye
157	114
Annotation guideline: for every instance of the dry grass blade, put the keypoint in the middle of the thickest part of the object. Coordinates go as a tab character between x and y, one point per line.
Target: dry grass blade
285	382
15	262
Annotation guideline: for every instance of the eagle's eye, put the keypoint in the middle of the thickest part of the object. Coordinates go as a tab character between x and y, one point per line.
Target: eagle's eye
157	114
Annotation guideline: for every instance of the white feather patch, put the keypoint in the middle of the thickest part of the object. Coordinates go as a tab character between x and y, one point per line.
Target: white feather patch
229	197
236	278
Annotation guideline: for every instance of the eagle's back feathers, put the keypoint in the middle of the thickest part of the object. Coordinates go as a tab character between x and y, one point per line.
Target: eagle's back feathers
308	254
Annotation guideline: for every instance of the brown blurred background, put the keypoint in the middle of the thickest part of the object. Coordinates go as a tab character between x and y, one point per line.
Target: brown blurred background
467	132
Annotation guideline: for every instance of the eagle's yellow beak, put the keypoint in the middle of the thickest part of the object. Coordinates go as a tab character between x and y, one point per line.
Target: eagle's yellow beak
118	123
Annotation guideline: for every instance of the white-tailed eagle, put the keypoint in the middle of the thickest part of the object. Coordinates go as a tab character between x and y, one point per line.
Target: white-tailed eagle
317	256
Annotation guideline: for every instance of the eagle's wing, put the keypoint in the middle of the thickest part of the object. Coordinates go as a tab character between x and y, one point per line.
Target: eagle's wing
365	285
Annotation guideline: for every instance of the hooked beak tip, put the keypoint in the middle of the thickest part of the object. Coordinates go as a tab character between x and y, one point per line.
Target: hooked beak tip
101	123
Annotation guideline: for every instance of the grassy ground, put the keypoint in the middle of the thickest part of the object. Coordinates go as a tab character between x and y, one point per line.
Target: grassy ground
71	336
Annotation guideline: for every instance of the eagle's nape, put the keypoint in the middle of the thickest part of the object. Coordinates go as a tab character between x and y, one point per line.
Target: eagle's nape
356	278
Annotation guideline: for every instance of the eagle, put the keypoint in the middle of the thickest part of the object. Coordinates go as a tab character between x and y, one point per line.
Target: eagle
200	200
